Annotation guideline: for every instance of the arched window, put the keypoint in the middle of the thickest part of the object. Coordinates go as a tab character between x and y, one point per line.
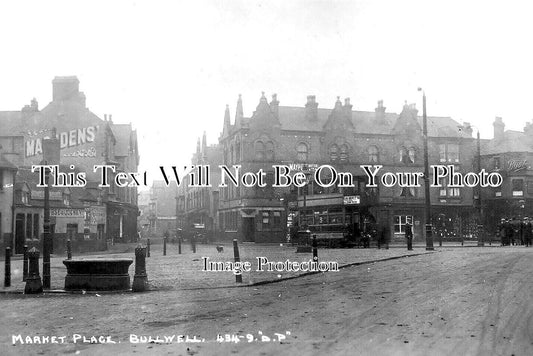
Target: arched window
407	156
259	150
344	153
334	152
373	154
302	152
269	151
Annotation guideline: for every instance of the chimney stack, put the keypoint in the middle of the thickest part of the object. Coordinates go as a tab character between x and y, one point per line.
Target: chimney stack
499	127
274	104
380	112
34	105
65	88
311	108
467	129
348	108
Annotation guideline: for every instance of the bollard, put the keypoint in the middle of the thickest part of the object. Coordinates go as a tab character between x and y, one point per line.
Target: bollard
193	244
33	280
148	247
25	264
140	279
315	249
7	277
69	250
179	246
164	246
238	277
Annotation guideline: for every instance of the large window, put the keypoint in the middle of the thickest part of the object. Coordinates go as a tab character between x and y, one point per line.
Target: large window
269	151
407	155
518	187
259	150
269	221
373	154
449	192
408	192
344	153
400	221
449	152
302	152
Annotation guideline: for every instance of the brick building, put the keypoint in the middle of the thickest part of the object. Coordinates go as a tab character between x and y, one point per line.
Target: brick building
197	207
308	137
92	214
510	153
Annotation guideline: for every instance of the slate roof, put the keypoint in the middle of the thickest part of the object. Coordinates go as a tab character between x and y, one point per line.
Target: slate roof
122	133
365	122
513	141
4	163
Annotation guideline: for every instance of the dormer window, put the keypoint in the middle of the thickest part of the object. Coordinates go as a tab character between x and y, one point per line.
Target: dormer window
25	199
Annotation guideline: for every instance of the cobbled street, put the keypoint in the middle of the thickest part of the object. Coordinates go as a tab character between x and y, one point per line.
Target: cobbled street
453	301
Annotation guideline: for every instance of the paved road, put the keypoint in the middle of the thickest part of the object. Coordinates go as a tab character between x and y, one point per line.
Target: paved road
456	301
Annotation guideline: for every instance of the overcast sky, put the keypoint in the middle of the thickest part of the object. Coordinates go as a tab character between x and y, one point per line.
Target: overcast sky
170	67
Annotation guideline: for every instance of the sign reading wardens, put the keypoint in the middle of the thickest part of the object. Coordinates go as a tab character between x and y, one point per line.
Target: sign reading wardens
67	139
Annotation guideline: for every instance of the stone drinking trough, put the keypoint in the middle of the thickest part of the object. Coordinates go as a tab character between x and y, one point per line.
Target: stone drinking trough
98	274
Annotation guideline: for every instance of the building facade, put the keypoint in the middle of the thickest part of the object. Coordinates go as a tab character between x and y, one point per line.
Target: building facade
509	153
89	215
308	137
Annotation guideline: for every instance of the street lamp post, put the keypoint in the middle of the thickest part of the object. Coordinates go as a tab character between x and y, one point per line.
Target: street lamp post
429	232
480	237
50	157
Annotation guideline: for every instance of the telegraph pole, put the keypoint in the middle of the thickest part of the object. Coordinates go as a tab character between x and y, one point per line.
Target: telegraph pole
429	237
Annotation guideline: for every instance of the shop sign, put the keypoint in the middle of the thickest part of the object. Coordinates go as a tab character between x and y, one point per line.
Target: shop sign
352	200
515	165
302	167
67	139
67	213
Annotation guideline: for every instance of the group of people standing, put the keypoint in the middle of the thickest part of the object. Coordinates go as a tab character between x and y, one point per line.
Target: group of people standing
516	232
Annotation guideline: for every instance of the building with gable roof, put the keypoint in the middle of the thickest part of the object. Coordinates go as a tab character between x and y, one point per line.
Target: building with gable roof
308	137
85	140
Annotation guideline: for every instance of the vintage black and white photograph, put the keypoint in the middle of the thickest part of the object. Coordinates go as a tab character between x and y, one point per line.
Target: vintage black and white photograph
266	177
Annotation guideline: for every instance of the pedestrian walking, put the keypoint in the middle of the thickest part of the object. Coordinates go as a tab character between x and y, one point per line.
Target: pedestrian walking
409	236
528	233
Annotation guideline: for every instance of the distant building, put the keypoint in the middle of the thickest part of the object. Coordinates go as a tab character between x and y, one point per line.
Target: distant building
197	207
511	154
161	213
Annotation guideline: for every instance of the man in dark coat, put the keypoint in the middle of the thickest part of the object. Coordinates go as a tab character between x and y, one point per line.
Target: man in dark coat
409	236
528	234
